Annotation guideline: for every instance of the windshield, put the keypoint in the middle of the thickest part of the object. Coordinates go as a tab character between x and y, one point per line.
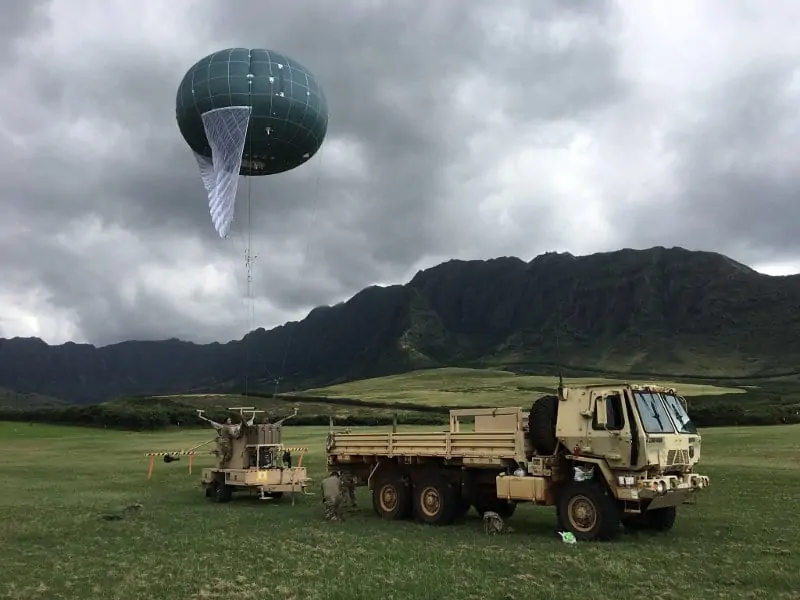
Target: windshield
653	413
679	414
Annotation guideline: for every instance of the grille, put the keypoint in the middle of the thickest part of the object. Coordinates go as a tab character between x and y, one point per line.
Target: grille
678	457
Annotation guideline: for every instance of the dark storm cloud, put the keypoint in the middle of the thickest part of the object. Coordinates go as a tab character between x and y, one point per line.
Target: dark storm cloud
17	19
738	169
390	72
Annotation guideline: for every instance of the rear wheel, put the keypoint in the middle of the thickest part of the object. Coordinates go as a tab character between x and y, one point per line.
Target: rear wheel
391	498
588	511
435	500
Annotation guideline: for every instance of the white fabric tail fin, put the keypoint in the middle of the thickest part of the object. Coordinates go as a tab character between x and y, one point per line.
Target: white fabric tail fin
226	130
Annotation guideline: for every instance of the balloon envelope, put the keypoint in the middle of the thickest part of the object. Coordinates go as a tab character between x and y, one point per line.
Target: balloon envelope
288	112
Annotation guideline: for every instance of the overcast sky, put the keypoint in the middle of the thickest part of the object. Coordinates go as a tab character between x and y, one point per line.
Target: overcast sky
467	129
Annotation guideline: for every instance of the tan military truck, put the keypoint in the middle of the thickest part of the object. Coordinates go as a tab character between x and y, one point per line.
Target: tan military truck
603	455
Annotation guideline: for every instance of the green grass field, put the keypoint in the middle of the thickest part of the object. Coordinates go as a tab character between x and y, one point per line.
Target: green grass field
742	540
460	386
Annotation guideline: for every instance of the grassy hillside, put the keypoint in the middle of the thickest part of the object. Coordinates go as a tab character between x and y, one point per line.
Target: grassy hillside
420	397
478	387
12	399
281	406
180	546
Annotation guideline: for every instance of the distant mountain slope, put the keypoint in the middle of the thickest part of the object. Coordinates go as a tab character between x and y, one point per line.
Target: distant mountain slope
670	311
12	399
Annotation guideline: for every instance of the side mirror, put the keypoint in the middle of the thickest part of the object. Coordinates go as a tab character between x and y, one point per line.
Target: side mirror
600	412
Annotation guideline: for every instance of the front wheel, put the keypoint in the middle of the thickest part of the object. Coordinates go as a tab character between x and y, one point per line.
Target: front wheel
589	512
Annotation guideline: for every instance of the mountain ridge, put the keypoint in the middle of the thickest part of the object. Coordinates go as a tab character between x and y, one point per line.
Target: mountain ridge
657	309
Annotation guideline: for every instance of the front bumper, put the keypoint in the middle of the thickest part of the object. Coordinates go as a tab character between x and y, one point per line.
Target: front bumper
667	490
658	486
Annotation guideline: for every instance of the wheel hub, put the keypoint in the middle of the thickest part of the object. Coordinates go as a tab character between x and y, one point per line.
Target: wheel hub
582	513
388	498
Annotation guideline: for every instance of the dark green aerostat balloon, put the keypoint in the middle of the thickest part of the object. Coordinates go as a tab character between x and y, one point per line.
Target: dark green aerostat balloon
289	113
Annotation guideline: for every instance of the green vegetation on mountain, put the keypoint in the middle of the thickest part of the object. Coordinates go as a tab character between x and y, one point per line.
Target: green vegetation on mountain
12	399
657	313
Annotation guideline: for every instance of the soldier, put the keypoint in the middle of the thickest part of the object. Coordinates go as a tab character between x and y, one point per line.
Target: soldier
349	486
226	432
493	523
332	496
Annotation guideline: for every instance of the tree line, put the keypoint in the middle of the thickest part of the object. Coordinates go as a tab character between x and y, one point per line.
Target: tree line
750	408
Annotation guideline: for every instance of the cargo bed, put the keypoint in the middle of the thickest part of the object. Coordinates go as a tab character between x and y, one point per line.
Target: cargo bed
487	447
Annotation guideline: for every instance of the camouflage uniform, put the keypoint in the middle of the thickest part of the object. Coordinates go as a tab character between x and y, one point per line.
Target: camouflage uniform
493	523
224	446
349	486
332	497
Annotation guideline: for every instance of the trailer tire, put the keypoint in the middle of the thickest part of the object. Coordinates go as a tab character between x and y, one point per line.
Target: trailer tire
391	498
542	424
221	492
435	500
589	512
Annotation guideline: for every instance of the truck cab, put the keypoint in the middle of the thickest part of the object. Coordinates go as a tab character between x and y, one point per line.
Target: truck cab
637	439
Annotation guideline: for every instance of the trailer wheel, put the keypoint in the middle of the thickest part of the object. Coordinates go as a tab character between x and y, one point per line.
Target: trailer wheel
391	498
658	519
542	424
589	512
435	500
221	492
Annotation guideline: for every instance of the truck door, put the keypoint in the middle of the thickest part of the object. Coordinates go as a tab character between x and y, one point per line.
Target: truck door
610	430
